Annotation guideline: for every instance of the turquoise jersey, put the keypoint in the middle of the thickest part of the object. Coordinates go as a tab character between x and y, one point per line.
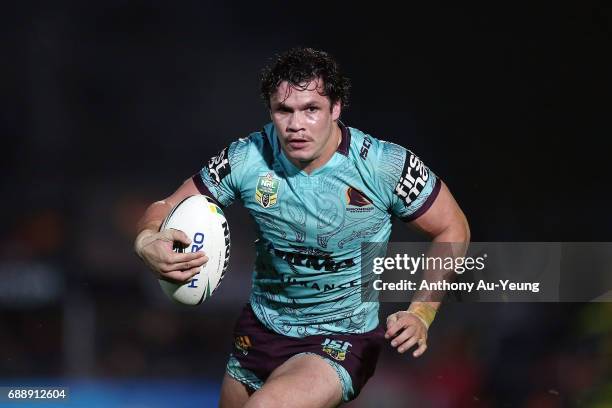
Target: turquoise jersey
307	275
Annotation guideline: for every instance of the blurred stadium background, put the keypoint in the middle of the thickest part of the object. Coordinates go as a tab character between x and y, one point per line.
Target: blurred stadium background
108	106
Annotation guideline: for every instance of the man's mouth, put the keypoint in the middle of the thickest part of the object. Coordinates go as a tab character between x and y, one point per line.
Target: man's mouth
297	144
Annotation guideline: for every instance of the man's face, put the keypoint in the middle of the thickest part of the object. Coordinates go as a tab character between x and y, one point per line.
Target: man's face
305	122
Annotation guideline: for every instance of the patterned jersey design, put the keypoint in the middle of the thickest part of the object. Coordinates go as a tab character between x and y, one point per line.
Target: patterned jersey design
307	274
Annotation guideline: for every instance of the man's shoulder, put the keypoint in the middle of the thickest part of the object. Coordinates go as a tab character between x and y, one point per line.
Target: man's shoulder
254	139
257	141
379	162
368	150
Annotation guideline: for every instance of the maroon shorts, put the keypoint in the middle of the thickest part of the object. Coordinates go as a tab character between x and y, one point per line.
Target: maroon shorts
258	351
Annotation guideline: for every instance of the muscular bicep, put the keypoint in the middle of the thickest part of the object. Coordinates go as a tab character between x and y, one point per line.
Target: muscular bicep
416	195
443	218
156	212
188	188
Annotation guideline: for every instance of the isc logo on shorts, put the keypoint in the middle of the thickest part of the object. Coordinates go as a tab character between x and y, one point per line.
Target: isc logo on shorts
243	343
336	349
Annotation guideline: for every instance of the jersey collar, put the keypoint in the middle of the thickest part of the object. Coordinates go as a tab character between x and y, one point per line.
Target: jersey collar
345	143
343	148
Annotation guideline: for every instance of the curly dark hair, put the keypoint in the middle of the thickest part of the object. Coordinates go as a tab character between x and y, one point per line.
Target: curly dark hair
300	66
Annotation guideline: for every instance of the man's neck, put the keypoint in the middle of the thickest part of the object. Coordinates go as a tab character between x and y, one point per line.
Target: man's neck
329	150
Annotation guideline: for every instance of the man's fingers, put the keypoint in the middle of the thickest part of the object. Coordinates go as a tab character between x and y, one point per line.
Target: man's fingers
403	336
393	330
185	266
390	321
180	236
407	331
422	347
395	327
408	344
197	258
183	276
178	276
170	265
193	271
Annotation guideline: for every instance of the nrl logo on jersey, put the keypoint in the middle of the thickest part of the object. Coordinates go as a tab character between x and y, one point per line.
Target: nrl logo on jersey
266	193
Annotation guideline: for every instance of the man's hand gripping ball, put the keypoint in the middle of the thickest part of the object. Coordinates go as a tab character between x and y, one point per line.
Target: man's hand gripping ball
155	249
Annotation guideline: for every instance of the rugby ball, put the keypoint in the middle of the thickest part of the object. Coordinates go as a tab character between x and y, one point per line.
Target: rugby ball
205	224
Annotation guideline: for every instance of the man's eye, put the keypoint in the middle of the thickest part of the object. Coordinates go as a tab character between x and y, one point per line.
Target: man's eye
312	109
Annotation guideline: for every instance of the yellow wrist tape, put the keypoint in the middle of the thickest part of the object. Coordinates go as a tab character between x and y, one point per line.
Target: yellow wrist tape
423	311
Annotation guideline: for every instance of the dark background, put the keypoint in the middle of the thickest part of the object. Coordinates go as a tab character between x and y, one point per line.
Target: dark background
108	106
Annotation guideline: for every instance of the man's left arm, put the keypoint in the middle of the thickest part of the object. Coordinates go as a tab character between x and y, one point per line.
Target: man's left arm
443	222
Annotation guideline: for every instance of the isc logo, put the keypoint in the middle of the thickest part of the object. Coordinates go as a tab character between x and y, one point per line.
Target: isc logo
196	245
336	349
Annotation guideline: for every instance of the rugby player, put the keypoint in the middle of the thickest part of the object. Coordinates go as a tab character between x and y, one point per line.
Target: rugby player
316	189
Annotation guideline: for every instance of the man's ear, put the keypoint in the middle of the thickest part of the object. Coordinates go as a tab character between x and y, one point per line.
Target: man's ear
336	109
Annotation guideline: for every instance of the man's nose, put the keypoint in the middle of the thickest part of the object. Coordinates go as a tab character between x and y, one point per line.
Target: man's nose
295	122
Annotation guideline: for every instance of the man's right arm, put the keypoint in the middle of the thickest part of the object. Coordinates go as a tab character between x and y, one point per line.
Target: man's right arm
155	247
219	179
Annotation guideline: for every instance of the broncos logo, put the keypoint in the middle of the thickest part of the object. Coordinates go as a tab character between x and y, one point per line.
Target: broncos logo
356	198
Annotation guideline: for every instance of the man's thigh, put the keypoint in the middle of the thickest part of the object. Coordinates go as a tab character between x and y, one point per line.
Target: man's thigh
234	394
306	380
